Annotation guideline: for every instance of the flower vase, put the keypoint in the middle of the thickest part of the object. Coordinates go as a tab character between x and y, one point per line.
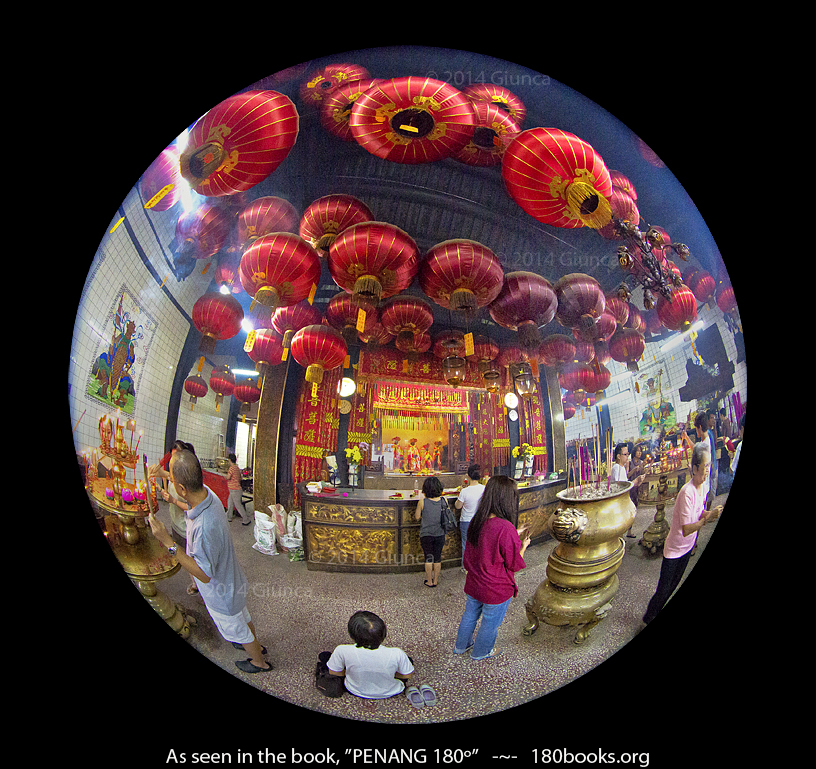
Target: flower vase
528	465
353	475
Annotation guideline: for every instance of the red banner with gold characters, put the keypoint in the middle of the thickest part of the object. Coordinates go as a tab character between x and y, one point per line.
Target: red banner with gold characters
532	429
317	423
391	364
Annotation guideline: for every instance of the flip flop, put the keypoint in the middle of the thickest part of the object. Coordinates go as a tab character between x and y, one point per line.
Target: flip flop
248	667
428	695
427	585
415	697
240	647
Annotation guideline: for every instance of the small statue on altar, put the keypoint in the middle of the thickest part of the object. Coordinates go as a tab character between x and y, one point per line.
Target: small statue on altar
399	456
413	456
437	455
426	458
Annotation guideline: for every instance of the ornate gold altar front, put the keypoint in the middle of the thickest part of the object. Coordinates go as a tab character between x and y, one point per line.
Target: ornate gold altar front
368	532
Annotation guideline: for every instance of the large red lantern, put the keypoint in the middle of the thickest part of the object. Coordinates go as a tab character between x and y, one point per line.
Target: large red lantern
195	387
635	319
326	81
318	349
556	350
494	130
500	97
328	216
510	355
525	302
484	350
226	272
222	382
618	305
601	330
627	346
217	316
342	313
160	185
291	318
461	275
373	261
247	392
335	109
603	378
584	351
679	313
202	232
624	208
412	120
266	351
576	376
413	344
558	178
621	182
726	299
374	334
581	300
263	216
239	142
278	269
702	285
406	318
449	343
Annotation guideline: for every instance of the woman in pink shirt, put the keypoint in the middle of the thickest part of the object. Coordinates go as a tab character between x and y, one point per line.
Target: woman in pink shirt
688	517
493	555
235	492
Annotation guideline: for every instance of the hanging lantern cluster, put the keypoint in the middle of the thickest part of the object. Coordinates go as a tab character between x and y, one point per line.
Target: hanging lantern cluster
291	318
325	218
263	216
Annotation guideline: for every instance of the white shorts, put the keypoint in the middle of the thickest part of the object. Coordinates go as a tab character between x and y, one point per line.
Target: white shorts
234	628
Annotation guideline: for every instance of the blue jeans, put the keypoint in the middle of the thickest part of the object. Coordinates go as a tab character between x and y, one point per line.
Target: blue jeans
463	527
492	616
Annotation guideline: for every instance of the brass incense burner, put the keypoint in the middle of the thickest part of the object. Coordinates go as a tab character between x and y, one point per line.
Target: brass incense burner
582	570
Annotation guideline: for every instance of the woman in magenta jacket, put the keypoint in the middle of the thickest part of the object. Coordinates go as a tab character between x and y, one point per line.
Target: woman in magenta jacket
493	555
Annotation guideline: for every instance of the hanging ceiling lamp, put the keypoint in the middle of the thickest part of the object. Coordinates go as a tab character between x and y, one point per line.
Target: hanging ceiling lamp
558	179
500	97
335	109
461	275
222	382
217	316
318	349
525	302
278	269
407	318
327	217
239	142
454	369
494	130
373	261
523	379
327	80
412	120
263	216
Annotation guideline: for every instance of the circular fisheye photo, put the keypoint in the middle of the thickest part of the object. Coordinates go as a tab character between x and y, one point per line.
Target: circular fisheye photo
407	386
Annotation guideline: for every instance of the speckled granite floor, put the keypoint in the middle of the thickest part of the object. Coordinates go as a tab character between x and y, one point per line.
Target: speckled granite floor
299	613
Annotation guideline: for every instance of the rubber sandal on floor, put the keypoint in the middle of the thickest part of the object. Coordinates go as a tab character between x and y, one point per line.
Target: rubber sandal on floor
415	697
248	667
494	652
428	694
427	585
240	647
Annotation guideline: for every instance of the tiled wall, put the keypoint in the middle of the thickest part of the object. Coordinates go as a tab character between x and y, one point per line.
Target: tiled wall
625	413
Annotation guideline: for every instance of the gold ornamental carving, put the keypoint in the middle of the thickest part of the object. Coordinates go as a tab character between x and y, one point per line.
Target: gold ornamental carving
349	547
326	513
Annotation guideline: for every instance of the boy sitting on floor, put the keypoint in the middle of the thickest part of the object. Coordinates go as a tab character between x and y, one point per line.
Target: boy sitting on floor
371	670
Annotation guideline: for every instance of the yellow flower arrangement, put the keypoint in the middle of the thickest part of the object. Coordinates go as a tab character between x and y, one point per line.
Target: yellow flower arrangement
525	450
353	455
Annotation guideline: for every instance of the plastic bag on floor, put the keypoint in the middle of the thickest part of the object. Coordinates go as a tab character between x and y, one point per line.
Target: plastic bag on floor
278	514
265	528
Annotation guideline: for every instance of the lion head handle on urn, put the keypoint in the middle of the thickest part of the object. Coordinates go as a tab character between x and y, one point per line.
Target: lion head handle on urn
568	524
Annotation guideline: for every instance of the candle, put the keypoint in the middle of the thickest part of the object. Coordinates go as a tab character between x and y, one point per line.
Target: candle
137	442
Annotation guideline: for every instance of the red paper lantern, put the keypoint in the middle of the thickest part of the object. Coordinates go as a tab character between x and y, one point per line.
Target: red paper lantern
580	300
202	232
558	178
328	216
247	392
162	181
412	120
679	313
449	343
494	130
217	316
618	306
702	285
406	318
635	319
624	208
278	269
556	350
602	355
263	216
510	355
484	350
500	97
525	302
335	109
568	409
414	343
576	376
226	272
627	346
239	142
267	350
342	313
373	261
374	334
461	275
603	378
222	382
601	330
195	387
326	81
652	322
726	300
291	318
622	183
318	349
584	351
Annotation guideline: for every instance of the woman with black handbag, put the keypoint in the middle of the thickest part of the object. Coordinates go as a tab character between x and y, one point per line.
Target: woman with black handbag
432	531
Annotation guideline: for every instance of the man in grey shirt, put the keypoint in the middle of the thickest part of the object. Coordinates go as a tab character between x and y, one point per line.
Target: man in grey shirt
211	560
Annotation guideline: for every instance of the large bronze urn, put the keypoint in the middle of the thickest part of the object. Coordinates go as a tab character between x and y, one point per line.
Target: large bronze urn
582	579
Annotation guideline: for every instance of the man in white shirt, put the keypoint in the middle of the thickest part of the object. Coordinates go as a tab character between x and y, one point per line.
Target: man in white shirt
468	501
371	670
